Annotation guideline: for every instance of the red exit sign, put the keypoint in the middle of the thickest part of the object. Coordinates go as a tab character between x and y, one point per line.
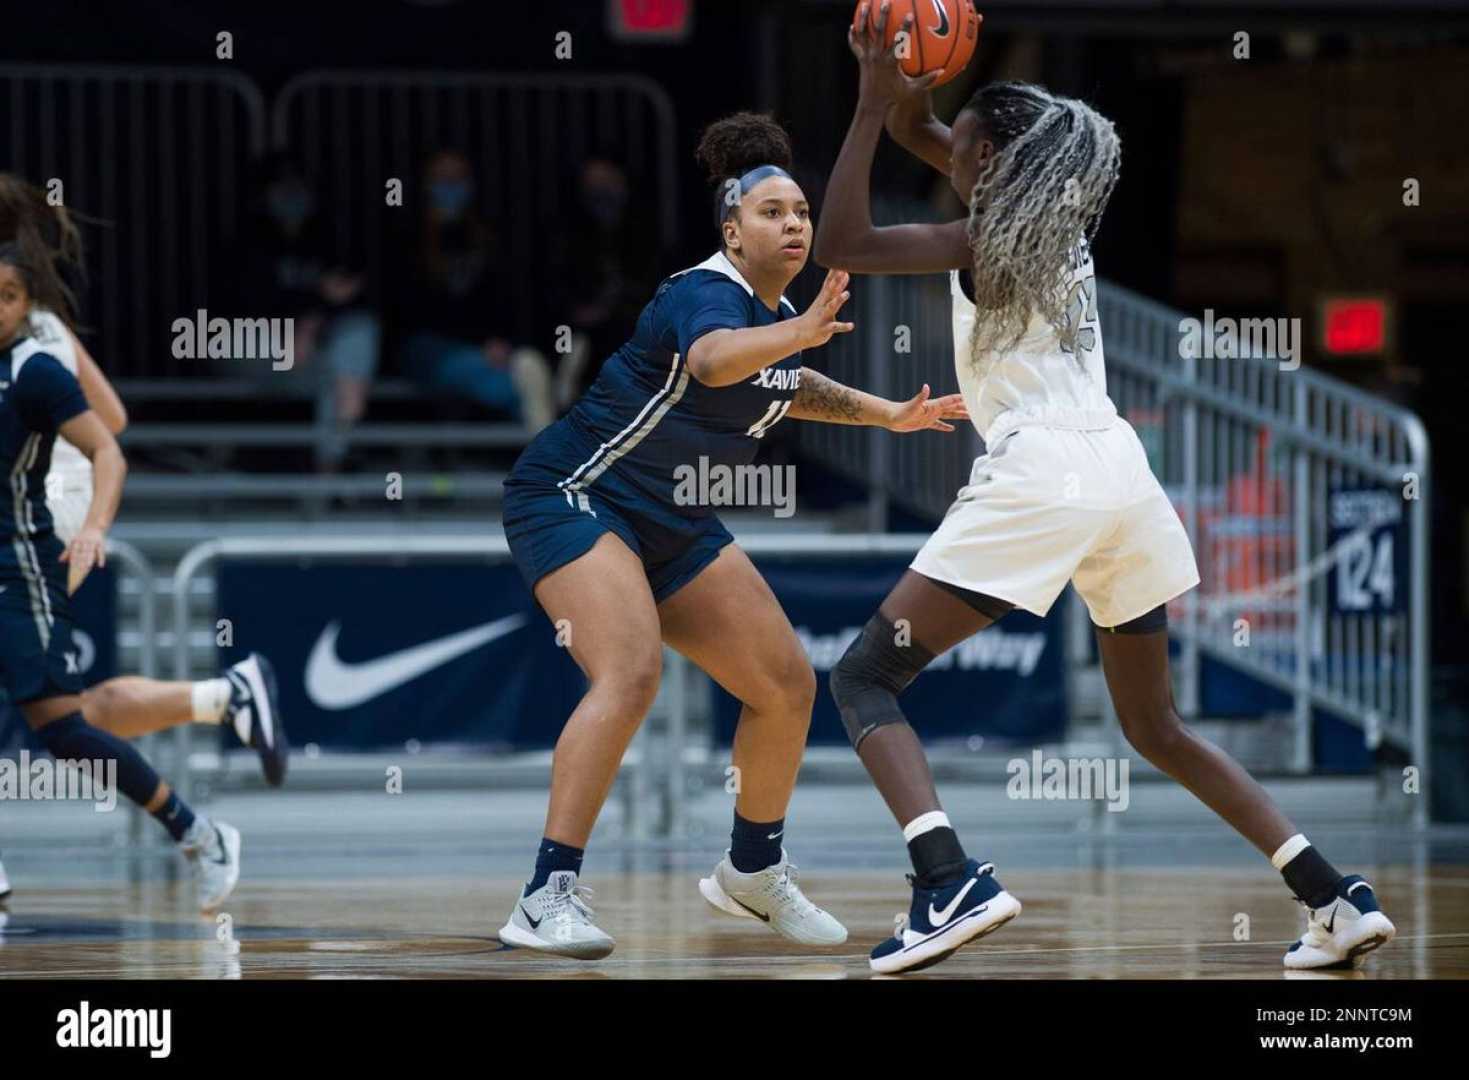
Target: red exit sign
650	20
1355	325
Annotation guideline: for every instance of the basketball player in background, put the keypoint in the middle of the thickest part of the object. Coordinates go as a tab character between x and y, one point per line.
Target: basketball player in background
127	706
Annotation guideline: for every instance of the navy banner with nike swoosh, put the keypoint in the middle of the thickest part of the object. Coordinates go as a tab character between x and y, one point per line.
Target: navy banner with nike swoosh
373	655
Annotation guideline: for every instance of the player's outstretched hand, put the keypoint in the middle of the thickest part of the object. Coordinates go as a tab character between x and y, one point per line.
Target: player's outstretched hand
881	80
820	320
922	413
88	548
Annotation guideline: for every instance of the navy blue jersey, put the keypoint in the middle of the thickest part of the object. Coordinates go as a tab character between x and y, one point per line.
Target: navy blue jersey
37	396
646	415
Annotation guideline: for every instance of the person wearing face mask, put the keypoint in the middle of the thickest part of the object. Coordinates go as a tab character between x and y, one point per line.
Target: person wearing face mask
295	270
458	336
606	258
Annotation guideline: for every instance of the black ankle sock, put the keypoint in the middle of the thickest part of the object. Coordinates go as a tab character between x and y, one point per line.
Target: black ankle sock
175	816
553	857
754	845
1311	878
938	858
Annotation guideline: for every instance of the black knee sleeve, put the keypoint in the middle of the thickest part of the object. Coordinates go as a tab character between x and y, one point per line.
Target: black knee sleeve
71	738
871	674
1151	623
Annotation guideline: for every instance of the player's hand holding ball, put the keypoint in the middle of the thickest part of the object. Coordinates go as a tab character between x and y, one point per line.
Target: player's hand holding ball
906	47
88	548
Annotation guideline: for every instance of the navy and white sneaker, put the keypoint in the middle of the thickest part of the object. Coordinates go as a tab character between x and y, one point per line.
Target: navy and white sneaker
556	919
940	920
255	712
1340	934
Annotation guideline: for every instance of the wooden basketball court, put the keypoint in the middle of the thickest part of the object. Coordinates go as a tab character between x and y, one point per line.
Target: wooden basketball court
1077	924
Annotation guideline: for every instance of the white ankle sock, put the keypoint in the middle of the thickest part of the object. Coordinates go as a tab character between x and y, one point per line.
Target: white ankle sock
211	697
934	819
1289	850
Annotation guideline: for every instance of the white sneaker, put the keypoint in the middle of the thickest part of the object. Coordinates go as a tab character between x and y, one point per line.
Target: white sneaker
1343	932
216	859
4	885
772	896
556	919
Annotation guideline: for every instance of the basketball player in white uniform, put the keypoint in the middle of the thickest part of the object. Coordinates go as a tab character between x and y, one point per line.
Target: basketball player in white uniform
1064	493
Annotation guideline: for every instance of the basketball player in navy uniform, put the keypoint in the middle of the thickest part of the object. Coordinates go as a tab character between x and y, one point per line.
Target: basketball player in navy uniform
128	706
1063	493
39	400
621	563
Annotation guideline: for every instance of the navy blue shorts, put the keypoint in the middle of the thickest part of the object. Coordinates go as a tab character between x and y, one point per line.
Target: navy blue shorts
548	528
38	652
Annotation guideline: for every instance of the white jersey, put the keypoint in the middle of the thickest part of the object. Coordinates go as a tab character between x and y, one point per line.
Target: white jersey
69	483
1037	381
1063	492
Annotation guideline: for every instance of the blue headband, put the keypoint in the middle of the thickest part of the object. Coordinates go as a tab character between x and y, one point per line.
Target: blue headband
722	207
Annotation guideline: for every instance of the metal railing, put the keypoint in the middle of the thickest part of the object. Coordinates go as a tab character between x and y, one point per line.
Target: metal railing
157	155
1256	455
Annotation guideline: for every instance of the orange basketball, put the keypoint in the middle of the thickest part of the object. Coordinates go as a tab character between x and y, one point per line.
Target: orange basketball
944	34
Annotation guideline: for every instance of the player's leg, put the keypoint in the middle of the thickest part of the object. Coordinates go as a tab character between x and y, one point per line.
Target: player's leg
728	622
246	696
602	604
1143	564
1345	922
956	899
212	847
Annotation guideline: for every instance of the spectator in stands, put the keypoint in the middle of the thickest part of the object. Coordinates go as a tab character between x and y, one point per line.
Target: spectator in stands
293	268
459	316
606	262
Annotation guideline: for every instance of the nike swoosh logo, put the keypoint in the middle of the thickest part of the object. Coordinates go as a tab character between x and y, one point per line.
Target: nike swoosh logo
775	835
535	924
762	917
1332	921
943	27
937	919
333	684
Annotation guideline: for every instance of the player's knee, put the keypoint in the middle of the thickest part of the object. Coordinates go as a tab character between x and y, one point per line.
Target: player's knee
101	701
1154	731
633	682
64	737
790	688
866	681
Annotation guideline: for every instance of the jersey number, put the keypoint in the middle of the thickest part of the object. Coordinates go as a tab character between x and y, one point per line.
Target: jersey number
772	416
1081	312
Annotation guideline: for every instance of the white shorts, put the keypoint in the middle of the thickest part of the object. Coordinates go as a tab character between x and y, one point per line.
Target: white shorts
1050	505
68	508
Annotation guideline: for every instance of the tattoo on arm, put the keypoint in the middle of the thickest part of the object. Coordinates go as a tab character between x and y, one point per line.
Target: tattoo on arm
820	398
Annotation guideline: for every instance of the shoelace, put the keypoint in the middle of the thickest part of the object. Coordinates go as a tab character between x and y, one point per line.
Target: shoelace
900	925
786	888
576	899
